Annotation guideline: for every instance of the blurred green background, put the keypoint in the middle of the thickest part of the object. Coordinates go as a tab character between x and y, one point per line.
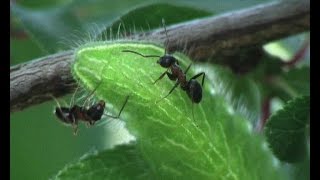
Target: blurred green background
40	145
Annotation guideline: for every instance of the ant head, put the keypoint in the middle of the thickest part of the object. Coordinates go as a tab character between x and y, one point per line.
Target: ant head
194	91
95	112
167	60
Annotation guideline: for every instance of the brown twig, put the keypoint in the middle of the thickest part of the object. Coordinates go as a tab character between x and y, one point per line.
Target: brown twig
222	35
298	56
265	113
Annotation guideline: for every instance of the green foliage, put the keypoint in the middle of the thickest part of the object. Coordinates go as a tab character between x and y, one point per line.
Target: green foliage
47	35
286	130
299	80
122	162
240	91
169	141
214	145
149	17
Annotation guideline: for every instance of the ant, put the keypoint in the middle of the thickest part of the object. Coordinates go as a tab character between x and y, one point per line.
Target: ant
192	87
74	113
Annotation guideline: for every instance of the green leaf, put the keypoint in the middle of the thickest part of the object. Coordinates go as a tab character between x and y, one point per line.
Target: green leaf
213	145
122	162
50	28
22	47
286	130
285	48
288	85
301	171
299	80
274	81
42	4
240	90
149	17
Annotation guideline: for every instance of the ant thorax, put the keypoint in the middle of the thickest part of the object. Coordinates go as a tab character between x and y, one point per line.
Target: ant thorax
180	75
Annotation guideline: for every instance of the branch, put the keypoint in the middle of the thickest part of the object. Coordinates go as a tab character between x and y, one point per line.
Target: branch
32	82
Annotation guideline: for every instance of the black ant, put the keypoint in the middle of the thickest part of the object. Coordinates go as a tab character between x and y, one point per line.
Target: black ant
74	113
192	87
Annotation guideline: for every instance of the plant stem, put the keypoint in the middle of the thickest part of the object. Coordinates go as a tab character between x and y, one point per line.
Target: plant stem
203	39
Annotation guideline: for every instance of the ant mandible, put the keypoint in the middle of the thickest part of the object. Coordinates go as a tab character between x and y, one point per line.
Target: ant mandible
74	113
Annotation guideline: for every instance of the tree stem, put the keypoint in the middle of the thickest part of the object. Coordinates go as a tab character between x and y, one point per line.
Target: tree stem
201	40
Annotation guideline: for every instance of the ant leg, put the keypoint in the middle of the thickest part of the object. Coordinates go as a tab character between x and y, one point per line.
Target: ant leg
74	126
90	123
83	105
198	75
171	76
87	124
124	104
72	99
192	112
57	102
176	85
185	72
75	130
161	76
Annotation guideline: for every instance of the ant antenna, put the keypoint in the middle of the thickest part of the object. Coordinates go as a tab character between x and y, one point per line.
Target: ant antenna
145	56
124	104
165	30
91	93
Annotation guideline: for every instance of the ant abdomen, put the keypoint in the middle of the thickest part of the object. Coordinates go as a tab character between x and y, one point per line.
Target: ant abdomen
195	91
63	114
68	115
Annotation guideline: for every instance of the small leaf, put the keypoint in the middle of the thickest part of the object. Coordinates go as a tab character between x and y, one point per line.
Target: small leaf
301	171
214	145
299	80
42	4
122	162
286	130
149	17
22	47
50	27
